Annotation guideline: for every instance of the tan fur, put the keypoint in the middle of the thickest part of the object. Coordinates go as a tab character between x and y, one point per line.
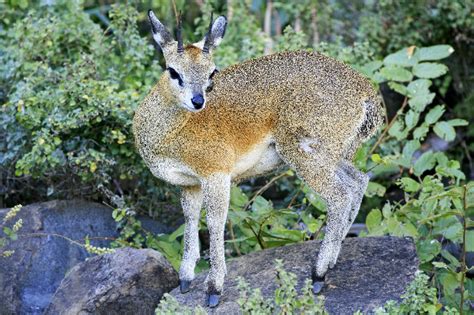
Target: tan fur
303	109
233	122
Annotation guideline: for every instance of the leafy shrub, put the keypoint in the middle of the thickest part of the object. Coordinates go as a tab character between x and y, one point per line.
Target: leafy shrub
69	92
419	298
434	209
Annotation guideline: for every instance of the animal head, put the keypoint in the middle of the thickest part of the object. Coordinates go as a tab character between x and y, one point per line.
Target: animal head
189	69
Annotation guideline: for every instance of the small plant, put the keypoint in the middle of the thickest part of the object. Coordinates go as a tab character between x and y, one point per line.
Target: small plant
286	301
170	306
419	298
9	230
97	250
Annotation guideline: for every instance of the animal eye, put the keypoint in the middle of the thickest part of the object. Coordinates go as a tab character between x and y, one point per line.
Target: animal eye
175	75
213	73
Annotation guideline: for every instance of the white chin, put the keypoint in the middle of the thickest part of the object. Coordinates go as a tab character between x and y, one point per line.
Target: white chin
192	109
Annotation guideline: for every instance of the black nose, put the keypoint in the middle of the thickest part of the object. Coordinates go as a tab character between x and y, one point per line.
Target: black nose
198	101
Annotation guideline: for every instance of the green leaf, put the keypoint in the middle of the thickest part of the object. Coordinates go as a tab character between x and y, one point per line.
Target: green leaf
237	198
411	119
407	153
453	261
418	86
434	114
408	229
372	66
419	101
395	73
440	265
397	130
449	227
458	122
376	158
409	185
375	189
387	210
427	249
445	131
373	220
261	205
470	241
401	58
410	148
425	162
397	87
436	52
449	281
421	131
178	232
429	70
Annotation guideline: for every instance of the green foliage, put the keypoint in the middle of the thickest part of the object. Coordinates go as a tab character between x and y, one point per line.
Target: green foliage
69	92
97	250
419	298
256	224
68	89
291	40
9	232
242	41
287	299
434	210
170	306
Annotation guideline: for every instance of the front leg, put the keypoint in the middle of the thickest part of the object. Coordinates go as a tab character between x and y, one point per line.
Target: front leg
191	201
216	192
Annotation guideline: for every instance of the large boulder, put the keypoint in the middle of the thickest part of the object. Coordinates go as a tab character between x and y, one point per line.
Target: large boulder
45	250
128	281
369	272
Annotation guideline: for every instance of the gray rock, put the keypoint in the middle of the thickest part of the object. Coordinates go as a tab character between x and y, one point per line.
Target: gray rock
129	281
43	255
369	272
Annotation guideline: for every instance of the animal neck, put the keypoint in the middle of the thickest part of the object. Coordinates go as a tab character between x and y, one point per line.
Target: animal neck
164	117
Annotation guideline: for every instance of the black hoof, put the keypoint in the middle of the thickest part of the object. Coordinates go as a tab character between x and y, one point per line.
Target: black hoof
318	284
213	300
184	286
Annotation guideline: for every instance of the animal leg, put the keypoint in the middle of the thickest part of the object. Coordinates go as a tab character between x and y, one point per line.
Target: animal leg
216	192
317	167
191	201
338	202
359	186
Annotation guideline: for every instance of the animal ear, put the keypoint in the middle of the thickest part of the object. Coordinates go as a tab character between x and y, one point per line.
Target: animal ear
215	34
218	30
160	34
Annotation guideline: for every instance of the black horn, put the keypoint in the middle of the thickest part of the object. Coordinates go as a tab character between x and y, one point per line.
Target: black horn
179	35
208	40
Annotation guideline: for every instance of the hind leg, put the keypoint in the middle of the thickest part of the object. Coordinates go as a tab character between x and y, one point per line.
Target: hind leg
359	184
356	182
318	168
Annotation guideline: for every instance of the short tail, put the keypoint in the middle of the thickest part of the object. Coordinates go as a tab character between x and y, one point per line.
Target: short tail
373	118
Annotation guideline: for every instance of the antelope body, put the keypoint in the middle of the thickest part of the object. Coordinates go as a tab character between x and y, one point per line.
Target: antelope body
300	109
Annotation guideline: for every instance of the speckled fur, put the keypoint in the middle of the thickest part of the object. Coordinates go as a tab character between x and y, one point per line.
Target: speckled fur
302	109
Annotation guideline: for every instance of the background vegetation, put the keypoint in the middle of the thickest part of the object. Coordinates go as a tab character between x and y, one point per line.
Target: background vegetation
73	72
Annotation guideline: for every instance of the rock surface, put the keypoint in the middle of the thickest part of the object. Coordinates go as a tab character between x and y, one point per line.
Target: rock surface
369	272
129	281
43	255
